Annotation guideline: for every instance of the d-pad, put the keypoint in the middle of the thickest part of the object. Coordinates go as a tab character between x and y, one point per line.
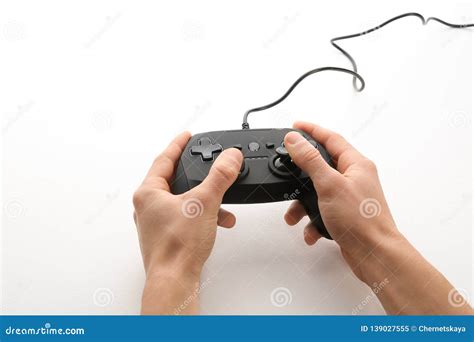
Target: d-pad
206	149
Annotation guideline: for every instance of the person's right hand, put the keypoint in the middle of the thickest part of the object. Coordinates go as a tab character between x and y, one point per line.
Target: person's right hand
350	199
356	215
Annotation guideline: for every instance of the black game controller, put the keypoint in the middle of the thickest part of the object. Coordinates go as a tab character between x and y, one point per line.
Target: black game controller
267	173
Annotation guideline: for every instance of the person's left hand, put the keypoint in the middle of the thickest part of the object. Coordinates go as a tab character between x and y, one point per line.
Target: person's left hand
177	232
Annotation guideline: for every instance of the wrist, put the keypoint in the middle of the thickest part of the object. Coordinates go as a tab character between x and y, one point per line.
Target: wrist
387	253
171	291
163	261
377	231
176	268
361	240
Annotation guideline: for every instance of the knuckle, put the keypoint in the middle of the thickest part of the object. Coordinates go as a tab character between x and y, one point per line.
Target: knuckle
140	197
336	137
369	165
325	188
158	159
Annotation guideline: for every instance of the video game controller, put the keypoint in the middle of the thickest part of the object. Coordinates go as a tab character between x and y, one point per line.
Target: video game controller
267	174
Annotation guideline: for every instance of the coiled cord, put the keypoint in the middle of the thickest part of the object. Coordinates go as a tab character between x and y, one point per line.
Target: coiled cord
354	71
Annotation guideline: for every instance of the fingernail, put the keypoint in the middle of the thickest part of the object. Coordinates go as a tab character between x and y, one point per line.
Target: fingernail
293	138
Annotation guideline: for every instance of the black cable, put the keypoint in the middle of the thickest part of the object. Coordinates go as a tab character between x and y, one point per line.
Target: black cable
245	125
353	72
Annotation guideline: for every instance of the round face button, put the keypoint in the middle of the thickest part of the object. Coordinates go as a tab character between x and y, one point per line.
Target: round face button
254	146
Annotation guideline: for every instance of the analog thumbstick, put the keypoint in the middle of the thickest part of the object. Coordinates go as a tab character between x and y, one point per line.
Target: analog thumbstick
283	162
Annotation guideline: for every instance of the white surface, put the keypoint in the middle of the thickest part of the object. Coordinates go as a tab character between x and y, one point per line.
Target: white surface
91	92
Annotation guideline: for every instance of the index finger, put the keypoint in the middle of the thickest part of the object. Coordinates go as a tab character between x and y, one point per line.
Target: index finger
162	169
343	153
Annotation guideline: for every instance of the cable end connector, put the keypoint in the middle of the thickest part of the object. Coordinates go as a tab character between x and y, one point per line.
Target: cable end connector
245	125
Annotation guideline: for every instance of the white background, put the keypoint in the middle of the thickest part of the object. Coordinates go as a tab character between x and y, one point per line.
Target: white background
92	91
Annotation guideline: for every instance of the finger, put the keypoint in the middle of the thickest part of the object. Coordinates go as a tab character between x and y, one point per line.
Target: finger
225	219
223	173
343	153
311	234
310	160
295	213
162	169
